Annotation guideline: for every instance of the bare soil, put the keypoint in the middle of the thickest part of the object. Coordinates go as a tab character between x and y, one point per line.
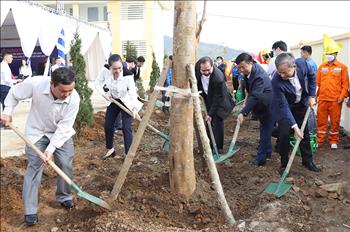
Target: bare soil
146	202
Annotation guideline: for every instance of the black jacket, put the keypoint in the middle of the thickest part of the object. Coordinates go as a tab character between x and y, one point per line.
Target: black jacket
284	94
259	91
136	72
218	101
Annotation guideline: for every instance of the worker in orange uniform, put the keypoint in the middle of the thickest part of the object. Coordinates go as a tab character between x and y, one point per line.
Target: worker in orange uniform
332	81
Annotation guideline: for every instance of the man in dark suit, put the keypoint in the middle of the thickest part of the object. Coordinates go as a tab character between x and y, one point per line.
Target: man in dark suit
258	86
294	88
218	100
139	63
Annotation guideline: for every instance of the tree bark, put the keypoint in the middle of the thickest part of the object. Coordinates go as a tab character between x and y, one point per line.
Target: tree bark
182	173
207	150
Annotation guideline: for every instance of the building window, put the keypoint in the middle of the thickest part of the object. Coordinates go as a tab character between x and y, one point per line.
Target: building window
105	14
92	14
70	11
131	10
140	47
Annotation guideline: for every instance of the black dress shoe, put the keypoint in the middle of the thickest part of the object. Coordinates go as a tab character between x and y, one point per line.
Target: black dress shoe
31	219
68	204
311	166
256	163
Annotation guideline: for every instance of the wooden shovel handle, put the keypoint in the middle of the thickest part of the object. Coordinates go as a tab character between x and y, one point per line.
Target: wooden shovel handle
212	138
235	135
298	140
41	154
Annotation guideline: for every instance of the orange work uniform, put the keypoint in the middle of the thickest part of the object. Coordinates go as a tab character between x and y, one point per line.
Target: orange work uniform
333	83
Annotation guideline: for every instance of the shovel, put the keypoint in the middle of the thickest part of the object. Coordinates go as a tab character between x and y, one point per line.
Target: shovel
80	192
232	149
211	133
280	188
165	145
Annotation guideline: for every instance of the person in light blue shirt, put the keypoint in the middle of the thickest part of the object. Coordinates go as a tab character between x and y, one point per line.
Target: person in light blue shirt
306	52
168	81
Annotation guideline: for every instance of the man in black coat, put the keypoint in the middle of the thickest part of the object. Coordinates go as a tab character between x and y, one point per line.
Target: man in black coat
294	90
136	71
258	86
218	100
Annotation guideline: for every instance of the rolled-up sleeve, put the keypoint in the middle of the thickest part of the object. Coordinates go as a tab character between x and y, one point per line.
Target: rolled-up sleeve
17	93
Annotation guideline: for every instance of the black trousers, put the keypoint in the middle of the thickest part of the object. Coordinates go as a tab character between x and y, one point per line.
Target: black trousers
111	114
218	131
285	131
4	90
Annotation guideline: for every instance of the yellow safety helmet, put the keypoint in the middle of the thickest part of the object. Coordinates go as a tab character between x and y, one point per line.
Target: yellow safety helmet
330	46
264	51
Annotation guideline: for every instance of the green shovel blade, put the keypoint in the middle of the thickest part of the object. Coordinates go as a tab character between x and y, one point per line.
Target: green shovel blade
220	158
165	146
278	188
90	197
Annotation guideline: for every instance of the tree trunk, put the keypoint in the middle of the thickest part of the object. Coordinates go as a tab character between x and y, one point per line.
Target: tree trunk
182	173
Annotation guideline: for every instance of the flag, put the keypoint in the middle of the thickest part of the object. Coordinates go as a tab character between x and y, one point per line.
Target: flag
61	48
329	46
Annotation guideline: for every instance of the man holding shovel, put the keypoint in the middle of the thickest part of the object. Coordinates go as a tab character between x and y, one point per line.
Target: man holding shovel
55	105
294	88
258	86
218	100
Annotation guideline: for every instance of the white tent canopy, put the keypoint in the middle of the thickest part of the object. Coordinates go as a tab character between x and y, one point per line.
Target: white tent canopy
37	26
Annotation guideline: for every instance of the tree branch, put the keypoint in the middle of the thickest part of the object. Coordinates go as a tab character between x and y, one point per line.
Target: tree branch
201	22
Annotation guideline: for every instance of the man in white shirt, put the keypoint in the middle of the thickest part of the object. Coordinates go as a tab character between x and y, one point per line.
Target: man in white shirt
278	47
58	64
6	76
55	105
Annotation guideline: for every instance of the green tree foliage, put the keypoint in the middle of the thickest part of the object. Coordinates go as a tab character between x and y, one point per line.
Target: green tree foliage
155	74
85	114
130	49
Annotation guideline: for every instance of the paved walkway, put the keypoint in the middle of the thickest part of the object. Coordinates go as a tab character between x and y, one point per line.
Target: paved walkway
12	145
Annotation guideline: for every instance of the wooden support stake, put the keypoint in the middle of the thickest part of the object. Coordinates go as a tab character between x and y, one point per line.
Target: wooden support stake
207	150
137	138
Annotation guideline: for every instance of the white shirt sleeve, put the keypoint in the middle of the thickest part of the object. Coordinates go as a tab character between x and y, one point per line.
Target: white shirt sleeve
272	67
21	91
100	81
64	126
6	74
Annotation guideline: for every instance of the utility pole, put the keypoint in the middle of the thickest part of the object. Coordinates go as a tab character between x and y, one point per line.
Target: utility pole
182	173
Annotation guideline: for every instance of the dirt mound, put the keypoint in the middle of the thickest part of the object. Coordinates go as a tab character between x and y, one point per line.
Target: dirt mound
96	132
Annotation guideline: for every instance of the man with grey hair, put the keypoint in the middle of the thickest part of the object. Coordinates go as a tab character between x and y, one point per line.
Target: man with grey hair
294	88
